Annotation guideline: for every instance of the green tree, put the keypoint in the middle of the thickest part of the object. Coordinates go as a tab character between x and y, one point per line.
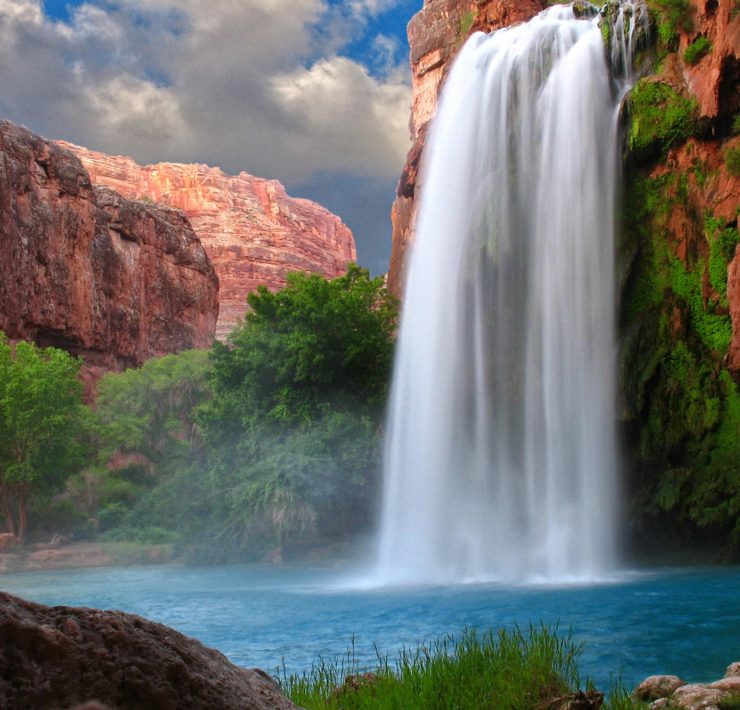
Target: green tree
315	342
43	426
146	434
299	390
149	410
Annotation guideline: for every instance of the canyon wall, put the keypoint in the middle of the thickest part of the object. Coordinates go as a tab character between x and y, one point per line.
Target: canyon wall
113	280
680	299
253	232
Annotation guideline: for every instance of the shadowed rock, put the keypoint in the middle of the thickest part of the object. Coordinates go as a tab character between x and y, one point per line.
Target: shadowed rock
60	657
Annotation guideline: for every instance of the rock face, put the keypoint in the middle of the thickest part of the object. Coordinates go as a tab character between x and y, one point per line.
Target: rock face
58	657
436	33
253	232
114	280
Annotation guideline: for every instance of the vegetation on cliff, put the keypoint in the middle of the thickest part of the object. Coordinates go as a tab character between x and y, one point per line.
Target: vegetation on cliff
681	402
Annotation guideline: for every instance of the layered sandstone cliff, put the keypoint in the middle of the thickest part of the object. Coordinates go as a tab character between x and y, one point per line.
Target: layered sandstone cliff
253	232
114	280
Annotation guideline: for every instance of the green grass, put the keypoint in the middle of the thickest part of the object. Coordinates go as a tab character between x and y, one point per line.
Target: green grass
506	670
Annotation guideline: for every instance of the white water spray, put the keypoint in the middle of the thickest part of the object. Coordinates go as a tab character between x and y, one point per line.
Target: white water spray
501	459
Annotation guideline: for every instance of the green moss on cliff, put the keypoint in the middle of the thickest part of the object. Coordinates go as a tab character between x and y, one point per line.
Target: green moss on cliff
672	17
660	118
682	407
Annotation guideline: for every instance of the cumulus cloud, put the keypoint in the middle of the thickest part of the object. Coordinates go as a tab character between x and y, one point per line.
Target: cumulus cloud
349	114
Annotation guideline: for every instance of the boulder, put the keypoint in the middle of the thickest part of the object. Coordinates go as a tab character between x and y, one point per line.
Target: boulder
61	657
671	693
657	686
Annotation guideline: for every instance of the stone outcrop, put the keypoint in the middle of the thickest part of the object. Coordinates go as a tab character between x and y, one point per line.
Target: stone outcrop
60	657
253	232
436	33
113	280
671	693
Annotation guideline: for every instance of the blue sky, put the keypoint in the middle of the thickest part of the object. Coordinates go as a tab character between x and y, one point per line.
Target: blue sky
314	93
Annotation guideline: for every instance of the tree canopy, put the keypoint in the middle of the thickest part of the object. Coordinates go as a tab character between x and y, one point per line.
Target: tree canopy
43	426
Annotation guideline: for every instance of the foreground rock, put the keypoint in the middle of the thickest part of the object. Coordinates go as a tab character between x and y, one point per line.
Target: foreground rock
253	232
669	692
59	657
113	280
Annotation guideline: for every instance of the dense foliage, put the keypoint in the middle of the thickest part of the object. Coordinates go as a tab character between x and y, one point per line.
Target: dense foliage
298	395
43	426
659	119
146	435
267	443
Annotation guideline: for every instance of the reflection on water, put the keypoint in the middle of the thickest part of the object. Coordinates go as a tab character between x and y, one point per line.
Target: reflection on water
685	622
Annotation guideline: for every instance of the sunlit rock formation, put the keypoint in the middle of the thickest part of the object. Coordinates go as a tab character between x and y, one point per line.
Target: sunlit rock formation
253	232
111	279
59	657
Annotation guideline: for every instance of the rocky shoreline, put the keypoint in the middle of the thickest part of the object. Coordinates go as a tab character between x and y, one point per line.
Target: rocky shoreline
669	692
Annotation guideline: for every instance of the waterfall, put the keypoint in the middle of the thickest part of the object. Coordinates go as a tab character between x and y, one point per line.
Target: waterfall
501	459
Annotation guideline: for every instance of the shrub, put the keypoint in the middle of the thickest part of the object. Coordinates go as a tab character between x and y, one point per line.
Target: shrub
732	160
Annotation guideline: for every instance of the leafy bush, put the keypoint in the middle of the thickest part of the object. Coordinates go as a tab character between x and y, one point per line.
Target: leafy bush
673	15
732	160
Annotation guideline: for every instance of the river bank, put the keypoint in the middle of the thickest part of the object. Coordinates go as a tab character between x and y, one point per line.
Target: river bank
55	556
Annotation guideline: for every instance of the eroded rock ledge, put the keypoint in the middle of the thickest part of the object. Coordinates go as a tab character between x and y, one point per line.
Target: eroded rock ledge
60	657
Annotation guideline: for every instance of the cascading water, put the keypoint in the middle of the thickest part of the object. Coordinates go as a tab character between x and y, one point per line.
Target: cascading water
501	459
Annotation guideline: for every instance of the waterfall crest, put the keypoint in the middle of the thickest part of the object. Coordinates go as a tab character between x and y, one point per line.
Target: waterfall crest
501	459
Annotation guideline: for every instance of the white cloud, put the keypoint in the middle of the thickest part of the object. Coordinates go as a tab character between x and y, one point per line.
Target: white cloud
353	117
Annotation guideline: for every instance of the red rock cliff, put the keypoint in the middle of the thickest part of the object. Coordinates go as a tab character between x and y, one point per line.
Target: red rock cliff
253	232
711	188
436	33
113	280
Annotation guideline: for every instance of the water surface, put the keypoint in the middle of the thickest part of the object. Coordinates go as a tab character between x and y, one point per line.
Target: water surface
685	622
